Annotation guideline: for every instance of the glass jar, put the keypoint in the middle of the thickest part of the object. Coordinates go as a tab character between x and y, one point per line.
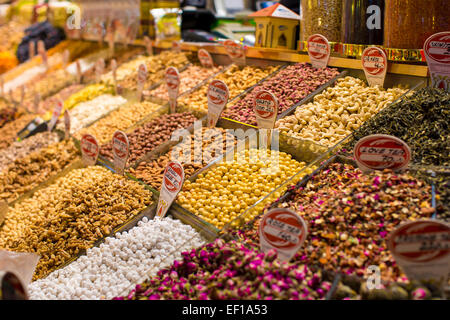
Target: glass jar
408	23
321	16
362	21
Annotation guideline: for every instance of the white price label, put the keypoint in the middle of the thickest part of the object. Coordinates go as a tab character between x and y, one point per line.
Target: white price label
218	95
121	151
319	51
55	116
66	124
437	53
172	183
374	62
205	58
89	149
235	51
172	78
142	78
283	230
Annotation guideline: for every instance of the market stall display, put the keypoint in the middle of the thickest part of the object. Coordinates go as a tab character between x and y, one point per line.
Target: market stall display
8	133
236	78
350	214
118	263
337	111
210	141
189	78
50	222
121	119
156	67
9	113
28	172
20	149
152	134
290	86
224	192
421	120
231	270
47	105
86	113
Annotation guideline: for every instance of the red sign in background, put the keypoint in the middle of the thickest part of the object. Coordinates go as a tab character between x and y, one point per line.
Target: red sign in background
265	104
382	152
319	40
374	61
283	229
172	78
120	144
89	145
173	177
420	241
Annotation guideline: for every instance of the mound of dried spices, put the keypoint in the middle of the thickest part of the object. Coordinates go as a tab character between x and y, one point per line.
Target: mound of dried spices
349	216
421	120
231	270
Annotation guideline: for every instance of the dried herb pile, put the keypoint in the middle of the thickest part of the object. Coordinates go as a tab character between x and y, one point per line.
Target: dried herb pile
421	120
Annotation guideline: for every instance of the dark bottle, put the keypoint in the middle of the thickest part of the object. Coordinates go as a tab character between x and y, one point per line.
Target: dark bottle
362	21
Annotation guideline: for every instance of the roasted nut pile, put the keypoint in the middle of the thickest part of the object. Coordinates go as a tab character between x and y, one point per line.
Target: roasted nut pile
232	270
49	104
211	141
189	78
290	86
337	111
87	112
349	215
8	133
125	69
46	85
20	149
119	263
421	120
237	79
88	93
225	191
121	119
9	114
24	174
156	66
144	139
69	216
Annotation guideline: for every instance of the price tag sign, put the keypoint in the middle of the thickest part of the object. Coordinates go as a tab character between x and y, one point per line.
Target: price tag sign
66	124
142	78
176	46
89	149
99	68
380	151
173	180
437	53
218	95
121	151
22	93
66	57
172	78
283	230
31	49
205	58
148	45
114	73
79	73
374	62
235	51
110	37
55	116
42	52
266	111
36	102
319	51
422	249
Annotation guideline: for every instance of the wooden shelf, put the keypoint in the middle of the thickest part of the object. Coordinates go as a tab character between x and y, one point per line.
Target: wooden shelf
417	70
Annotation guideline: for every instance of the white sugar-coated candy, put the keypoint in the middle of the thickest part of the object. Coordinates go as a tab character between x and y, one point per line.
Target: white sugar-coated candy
119	263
